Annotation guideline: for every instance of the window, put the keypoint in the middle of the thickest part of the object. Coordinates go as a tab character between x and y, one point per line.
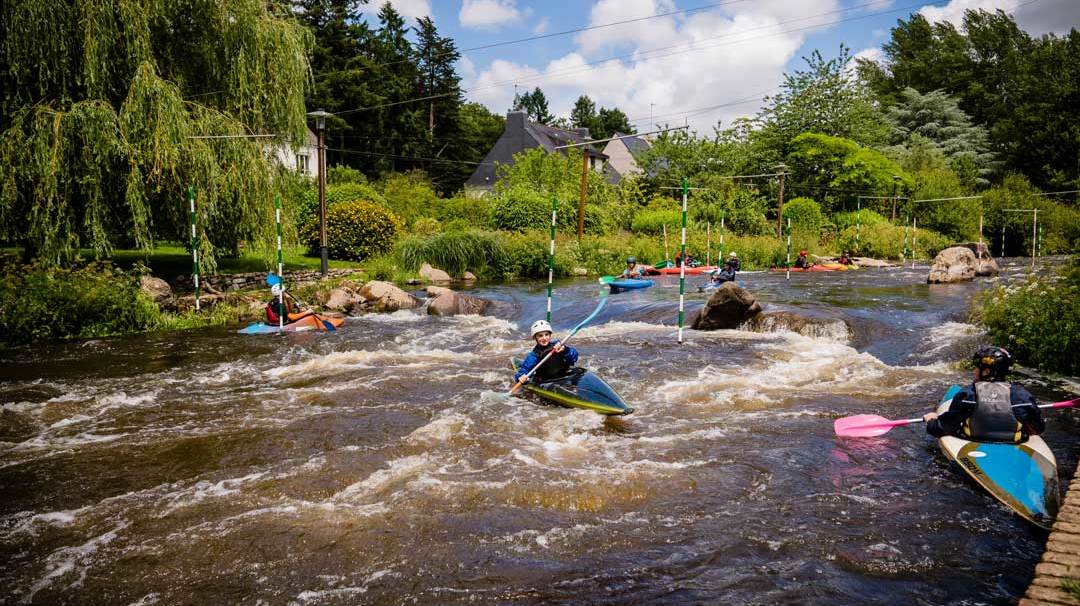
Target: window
302	165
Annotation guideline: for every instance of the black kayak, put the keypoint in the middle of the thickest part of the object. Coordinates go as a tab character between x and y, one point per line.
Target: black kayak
579	389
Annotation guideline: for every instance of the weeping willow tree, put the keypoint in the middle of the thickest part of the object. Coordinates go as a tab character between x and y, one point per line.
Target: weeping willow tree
102	99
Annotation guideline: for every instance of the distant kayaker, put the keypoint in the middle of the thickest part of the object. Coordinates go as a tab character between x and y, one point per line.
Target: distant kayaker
560	364
845	258
990	409
633	270
282	303
802	262
733	262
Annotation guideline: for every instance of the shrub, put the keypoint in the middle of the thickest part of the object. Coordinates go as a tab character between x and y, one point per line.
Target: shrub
308	207
409	194
804	214
355	230
652	221
474	211
1038	321
338	174
864	217
520	209
454	252
887	241
44	304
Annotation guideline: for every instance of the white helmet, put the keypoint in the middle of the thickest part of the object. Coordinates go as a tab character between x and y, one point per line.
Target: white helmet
539	326
733	254
276	290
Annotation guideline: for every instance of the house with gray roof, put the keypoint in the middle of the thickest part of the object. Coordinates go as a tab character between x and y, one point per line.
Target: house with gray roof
519	135
621	156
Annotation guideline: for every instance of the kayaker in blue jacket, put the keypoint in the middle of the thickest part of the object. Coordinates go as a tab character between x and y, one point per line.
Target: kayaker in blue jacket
559	365
990	409
633	270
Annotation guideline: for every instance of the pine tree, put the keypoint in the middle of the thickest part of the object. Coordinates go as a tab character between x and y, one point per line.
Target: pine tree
535	104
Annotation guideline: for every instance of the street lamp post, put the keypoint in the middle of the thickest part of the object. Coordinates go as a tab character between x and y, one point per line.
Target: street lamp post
320	124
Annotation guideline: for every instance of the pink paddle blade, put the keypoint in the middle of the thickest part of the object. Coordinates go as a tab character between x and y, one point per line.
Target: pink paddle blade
864	426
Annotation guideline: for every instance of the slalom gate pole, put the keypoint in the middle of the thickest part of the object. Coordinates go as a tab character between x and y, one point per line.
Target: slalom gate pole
708	242
667	253
858	223
280	262
682	264
551	254
720	257
789	248
194	244
914	236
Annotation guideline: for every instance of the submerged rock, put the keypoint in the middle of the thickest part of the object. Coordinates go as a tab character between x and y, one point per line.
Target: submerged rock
384	296
728	307
868	262
819	328
955	264
446	302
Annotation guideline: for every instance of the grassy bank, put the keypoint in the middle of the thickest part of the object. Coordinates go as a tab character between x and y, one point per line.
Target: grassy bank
1038	321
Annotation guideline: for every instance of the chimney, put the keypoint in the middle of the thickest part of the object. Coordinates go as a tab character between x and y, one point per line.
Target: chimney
515	120
583	131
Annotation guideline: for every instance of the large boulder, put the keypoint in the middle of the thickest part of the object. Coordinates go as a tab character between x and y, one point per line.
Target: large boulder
343	299
445	302
985	265
431	274
820	328
384	296
955	264
728	307
158	290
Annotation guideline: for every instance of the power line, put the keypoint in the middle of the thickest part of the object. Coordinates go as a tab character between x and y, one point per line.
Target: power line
639	56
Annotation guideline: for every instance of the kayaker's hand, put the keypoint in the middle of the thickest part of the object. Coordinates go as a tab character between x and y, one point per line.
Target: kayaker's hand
558	348
523	380
930	416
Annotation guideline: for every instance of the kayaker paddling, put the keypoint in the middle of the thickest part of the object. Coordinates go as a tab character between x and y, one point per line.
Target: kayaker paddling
990	409
560	364
633	270
284	304
802	262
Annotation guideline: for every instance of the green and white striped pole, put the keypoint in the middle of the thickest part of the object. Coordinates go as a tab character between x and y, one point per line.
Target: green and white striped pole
194	244
280	263
789	248
914	236
551	254
682	264
720	257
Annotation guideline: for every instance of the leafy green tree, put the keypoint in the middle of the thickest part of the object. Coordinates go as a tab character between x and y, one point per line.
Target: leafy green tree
535	104
1022	89
825	99
611	121
833	163
101	104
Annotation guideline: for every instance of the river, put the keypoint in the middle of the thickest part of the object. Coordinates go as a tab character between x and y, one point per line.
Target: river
381	465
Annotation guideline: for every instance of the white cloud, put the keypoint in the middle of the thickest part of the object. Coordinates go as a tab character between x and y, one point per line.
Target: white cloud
873	53
489	14
714	60
411	9
542	26
1036	18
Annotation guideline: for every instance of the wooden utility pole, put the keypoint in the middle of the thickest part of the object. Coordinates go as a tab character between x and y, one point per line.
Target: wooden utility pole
781	170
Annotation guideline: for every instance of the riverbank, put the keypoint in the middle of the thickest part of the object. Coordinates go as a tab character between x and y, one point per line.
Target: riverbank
1057	576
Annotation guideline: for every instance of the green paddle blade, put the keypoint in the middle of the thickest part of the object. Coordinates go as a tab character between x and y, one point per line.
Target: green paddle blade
607	279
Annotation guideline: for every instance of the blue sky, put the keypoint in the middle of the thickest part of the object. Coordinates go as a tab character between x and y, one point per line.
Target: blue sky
706	61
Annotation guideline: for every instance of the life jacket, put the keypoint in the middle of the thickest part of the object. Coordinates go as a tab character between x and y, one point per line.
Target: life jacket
274	311
554	368
993	419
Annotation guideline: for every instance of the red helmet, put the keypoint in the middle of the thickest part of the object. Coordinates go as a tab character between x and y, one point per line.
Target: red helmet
802	253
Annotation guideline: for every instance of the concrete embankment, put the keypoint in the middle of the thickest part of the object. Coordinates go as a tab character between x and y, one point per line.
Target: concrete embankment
1061	560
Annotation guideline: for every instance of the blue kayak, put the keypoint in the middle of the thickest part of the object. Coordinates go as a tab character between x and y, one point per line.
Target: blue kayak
1021	476
628	284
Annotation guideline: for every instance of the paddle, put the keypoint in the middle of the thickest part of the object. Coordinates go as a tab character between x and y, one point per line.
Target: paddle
320	323
603	301
869	426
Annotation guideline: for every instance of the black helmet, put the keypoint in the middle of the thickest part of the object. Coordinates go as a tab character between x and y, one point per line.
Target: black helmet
631	260
997	359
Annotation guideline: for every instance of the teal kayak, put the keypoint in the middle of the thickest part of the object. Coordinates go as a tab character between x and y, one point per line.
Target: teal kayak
621	284
580	389
1022	476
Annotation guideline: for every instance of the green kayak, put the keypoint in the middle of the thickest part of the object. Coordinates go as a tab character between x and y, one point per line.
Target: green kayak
580	389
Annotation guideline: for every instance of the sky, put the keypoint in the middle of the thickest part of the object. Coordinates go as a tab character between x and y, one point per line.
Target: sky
675	62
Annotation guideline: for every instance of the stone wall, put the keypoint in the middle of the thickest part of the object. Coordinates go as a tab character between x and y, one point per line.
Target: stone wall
234	282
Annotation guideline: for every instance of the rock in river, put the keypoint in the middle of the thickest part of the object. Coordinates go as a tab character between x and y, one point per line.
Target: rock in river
728	307
384	296
956	264
445	302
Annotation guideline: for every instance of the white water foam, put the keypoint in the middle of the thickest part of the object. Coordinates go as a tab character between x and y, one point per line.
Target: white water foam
76	559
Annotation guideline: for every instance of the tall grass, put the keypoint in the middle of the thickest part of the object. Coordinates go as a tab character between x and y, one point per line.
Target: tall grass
453	252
